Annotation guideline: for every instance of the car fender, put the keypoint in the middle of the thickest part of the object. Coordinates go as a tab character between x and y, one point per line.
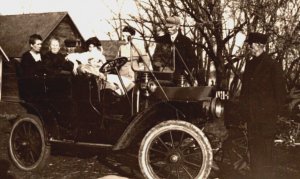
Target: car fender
145	120
45	113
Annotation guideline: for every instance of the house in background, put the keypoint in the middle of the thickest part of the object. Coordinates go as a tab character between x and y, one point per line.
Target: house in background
3	57
14	35
16	29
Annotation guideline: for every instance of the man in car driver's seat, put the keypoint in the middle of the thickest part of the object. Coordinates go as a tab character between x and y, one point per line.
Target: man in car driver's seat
133	50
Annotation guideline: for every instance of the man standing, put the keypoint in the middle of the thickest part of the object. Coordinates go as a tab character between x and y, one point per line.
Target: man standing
262	96
185	59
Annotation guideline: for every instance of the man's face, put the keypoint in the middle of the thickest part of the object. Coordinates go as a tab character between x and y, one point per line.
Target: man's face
36	47
256	49
172	29
125	36
54	46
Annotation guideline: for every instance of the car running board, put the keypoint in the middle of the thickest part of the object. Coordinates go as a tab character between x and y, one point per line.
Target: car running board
80	143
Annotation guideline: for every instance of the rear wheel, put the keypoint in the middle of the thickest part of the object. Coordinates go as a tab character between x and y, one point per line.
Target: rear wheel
175	149
27	147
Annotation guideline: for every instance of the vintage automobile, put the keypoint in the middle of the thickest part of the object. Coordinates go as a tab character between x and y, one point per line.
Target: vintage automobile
159	119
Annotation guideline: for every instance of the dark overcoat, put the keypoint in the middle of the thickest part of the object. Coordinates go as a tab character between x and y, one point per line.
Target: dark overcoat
29	67
184	49
56	63
263	90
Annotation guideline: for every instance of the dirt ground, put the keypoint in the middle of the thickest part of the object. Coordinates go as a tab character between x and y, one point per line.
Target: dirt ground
68	162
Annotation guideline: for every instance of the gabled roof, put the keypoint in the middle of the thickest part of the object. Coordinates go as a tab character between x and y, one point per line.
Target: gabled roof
3	55
16	29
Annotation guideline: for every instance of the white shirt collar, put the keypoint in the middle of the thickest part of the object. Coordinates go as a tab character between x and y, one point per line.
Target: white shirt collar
36	56
173	36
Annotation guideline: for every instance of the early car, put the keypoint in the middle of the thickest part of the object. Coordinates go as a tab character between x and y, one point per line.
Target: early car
162	119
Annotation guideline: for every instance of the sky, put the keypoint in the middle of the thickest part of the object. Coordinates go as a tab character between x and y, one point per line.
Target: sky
90	16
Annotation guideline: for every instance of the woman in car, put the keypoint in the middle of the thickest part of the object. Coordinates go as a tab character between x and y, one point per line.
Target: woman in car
91	61
88	62
31	61
54	61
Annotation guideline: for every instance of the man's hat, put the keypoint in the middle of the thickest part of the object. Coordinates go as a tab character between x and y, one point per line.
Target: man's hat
70	43
129	30
255	37
93	40
173	20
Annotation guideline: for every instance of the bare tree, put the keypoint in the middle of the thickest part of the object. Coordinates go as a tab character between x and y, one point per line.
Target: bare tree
280	19
215	27
205	24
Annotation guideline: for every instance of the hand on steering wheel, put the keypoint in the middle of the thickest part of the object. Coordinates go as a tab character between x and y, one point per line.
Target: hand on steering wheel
112	65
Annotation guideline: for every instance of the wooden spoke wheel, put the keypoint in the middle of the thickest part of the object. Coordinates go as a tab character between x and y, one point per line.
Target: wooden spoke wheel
175	149
27	147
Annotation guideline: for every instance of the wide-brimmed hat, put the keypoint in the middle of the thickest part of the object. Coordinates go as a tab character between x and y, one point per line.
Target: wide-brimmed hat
255	37
93	40
173	20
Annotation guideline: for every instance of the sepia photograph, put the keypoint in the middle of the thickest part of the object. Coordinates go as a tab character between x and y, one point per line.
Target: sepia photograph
150	89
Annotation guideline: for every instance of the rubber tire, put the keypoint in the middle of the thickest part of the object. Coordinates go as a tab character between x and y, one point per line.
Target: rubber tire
187	127
45	151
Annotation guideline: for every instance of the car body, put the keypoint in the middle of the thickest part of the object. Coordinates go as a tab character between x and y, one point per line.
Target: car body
161	119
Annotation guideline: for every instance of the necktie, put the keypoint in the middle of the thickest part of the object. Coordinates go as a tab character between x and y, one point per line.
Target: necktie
172	38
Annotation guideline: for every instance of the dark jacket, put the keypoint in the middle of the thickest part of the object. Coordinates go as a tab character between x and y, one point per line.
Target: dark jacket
263	90
184	49
29	67
56	63
31	86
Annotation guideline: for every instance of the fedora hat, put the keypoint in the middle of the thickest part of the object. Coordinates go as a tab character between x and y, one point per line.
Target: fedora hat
173	20
255	37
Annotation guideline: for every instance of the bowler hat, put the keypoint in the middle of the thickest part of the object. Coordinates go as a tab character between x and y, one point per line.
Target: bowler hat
70	43
255	37
93	40
173	20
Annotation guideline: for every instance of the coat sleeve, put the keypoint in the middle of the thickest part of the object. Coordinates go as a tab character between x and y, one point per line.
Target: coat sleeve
193	62
27	65
279	87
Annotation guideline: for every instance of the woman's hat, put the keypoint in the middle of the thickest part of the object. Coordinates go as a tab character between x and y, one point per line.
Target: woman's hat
93	40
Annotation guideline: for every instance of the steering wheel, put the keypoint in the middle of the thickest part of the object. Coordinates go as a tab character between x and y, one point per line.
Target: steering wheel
114	64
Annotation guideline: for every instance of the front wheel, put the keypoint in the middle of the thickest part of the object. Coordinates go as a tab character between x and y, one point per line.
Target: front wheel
175	149
27	147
